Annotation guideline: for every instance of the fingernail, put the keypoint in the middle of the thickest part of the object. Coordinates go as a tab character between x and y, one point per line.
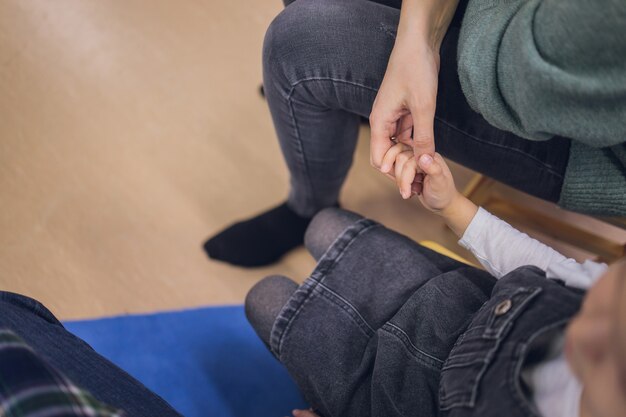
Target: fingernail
426	159
384	168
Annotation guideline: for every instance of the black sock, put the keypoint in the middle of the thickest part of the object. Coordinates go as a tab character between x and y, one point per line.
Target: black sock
261	240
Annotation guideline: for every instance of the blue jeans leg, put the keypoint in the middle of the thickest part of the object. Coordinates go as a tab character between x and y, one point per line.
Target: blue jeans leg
38	327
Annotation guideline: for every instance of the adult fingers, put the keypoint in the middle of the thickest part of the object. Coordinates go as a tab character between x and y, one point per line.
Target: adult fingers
383	127
401	159
390	156
407	177
423	130
405	130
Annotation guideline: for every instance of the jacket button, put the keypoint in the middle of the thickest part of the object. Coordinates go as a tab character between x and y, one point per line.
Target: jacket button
503	307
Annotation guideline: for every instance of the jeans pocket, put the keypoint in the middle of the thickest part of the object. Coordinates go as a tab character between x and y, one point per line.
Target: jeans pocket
462	371
477	348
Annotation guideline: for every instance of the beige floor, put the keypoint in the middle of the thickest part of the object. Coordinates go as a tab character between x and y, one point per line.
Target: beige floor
129	132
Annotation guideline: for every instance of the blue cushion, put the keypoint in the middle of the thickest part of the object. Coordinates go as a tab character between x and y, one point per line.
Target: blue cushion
205	361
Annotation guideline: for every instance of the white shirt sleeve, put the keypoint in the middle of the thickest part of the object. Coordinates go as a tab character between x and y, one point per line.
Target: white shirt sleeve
501	248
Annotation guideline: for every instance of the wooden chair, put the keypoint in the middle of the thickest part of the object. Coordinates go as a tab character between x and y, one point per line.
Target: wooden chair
481	191
432	245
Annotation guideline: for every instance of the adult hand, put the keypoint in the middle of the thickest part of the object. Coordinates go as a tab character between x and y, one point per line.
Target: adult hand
404	108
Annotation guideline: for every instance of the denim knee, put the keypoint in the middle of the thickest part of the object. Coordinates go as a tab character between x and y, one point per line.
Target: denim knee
27	306
304	39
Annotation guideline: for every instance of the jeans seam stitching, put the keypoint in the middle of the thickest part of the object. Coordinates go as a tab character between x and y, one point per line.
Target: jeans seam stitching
300	151
516	369
354	83
459	360
312	282
310	288
364	226
347	304
408	340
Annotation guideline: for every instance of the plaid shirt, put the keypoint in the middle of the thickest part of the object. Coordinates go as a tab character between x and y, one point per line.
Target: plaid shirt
30	387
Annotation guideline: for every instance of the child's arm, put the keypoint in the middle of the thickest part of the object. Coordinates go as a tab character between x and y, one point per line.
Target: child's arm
499	247
437	192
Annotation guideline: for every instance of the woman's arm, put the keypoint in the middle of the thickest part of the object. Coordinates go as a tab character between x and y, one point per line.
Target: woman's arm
425	20
406	100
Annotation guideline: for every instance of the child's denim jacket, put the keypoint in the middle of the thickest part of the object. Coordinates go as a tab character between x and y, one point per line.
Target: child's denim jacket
482	375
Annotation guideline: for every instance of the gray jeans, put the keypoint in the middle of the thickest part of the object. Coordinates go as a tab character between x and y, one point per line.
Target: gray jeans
386	328
323	62
359	336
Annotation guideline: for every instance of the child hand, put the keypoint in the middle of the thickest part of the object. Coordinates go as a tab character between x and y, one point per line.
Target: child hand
438	190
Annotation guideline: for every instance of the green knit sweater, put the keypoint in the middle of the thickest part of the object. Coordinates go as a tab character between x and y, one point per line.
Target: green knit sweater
541	68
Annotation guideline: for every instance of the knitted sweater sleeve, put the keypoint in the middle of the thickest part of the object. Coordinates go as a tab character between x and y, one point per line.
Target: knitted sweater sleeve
541	68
